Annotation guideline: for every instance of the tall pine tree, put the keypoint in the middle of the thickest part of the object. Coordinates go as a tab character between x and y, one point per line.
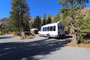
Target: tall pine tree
19	19
44	19
71	8
57	18
49	20
37	22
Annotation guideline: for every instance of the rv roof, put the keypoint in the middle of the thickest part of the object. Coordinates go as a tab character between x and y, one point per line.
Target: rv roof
52	24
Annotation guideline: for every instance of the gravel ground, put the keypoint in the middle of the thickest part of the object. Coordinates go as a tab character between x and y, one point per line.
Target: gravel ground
67	53
40	48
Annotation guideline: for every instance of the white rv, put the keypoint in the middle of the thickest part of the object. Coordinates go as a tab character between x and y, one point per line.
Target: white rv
52	30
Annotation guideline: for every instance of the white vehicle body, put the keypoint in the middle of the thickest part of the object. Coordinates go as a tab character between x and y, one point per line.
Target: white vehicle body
34	31
52	30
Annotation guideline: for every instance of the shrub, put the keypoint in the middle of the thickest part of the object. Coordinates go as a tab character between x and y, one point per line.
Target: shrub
22	37
1	33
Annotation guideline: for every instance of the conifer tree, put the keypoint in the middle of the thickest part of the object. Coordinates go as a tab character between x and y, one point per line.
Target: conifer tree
44	19
37	22
49	20
19	19
57	17
71	8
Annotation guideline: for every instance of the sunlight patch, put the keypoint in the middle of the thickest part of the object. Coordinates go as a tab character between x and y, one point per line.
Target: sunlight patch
24	59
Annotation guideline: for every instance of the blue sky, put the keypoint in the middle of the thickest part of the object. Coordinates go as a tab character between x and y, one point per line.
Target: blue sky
37	7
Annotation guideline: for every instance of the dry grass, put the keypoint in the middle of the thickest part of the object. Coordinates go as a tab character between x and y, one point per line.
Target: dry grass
25	37
79	45
1	33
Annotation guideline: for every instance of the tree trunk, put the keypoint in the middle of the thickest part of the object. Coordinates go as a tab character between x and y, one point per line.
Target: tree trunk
74	36
74	39
73	33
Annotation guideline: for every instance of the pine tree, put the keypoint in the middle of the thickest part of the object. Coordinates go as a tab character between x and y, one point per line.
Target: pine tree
83	28
44	19
49	20
57	18
19	19
37	22
71	8
14	18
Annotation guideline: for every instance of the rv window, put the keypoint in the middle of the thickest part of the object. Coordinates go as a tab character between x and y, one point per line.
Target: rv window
54	28
43	28
62	27
47	28
58	27
51	28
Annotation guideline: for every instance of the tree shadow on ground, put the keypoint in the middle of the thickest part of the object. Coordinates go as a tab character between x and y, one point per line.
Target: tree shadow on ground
27	50
65	37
